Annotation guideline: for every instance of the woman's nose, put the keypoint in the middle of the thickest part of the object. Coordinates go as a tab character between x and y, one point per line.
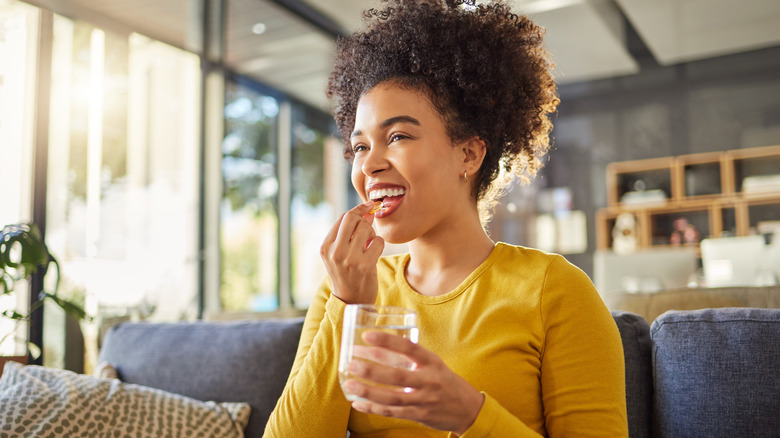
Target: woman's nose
375	161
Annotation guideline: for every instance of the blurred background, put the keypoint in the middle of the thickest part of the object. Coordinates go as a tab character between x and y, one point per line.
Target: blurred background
182	162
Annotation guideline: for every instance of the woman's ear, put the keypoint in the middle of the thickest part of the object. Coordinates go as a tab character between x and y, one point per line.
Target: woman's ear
473	153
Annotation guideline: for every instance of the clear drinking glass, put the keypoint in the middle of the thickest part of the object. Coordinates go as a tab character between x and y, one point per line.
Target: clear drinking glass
360	318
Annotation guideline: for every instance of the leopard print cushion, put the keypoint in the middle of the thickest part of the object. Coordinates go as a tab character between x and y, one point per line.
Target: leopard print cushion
37	401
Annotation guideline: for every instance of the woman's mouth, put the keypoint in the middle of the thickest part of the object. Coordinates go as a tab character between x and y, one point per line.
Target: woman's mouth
390	199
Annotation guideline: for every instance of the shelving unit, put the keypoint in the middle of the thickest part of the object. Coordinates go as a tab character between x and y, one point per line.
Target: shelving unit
706	189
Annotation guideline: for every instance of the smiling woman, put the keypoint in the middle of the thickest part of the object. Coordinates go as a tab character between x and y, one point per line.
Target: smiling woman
398	134
441	105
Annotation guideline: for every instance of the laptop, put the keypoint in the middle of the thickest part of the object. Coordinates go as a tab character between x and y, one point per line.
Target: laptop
733	261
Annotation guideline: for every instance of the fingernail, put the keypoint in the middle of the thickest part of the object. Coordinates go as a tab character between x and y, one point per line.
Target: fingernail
360	406
370	337
351	386
352	367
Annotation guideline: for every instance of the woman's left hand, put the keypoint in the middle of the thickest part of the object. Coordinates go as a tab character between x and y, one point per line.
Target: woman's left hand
435	397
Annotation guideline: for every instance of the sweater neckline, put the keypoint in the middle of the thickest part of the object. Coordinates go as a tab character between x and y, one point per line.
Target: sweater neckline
407	289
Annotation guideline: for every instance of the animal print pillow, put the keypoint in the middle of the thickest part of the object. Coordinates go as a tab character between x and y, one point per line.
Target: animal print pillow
37	401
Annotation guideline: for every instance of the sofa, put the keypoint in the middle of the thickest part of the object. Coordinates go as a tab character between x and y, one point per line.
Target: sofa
703	373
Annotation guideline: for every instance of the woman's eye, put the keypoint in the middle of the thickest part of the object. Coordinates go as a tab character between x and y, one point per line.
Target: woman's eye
359	148
396	137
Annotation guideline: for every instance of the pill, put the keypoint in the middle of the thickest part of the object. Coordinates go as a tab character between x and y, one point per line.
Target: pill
377	206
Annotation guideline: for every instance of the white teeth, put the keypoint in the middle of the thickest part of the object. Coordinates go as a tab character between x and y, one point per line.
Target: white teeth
383	193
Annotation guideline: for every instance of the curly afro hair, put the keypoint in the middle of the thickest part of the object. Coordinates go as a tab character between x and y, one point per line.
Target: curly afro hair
484	68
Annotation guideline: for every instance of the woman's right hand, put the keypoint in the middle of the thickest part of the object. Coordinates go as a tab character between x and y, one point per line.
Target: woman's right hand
350	252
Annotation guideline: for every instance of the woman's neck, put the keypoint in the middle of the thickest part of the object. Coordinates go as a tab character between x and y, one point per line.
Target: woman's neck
439	263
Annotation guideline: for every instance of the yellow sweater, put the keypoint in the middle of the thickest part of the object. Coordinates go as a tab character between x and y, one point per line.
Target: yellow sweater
526	328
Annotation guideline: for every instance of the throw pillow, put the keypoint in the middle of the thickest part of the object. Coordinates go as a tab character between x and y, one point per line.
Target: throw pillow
39	401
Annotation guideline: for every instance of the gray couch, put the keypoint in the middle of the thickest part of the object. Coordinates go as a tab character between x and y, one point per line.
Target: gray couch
704	373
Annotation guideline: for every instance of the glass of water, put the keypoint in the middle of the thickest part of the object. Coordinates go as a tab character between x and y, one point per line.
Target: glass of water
361	318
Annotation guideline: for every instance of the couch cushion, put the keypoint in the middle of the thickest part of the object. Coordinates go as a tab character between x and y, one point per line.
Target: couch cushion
635	335
246	361
716	372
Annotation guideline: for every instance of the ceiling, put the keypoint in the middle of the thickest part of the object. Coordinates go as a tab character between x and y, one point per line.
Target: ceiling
587	38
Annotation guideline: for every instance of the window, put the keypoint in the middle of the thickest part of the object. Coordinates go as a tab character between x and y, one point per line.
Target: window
18	33
122	202
280	166
249	228
311	212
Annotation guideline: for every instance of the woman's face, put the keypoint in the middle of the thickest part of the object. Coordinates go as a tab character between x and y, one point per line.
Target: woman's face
404	157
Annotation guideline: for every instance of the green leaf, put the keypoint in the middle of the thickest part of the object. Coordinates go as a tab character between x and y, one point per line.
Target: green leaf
13	314
23	249
5	287
70	308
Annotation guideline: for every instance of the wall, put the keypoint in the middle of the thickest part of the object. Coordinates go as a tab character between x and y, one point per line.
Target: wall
709	105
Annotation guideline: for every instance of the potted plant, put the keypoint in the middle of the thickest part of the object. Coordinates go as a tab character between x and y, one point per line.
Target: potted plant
22	253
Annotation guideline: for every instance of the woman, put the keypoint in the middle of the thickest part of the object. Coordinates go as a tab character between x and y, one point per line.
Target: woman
440	104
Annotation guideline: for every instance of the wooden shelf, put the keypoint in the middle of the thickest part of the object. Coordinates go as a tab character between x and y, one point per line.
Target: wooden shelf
705	189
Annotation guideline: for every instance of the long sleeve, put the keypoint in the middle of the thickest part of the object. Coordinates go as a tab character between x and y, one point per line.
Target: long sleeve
495	421
582	370
312	404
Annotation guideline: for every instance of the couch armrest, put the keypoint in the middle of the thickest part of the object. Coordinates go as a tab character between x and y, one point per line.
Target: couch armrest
635	336
716	372
221	361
